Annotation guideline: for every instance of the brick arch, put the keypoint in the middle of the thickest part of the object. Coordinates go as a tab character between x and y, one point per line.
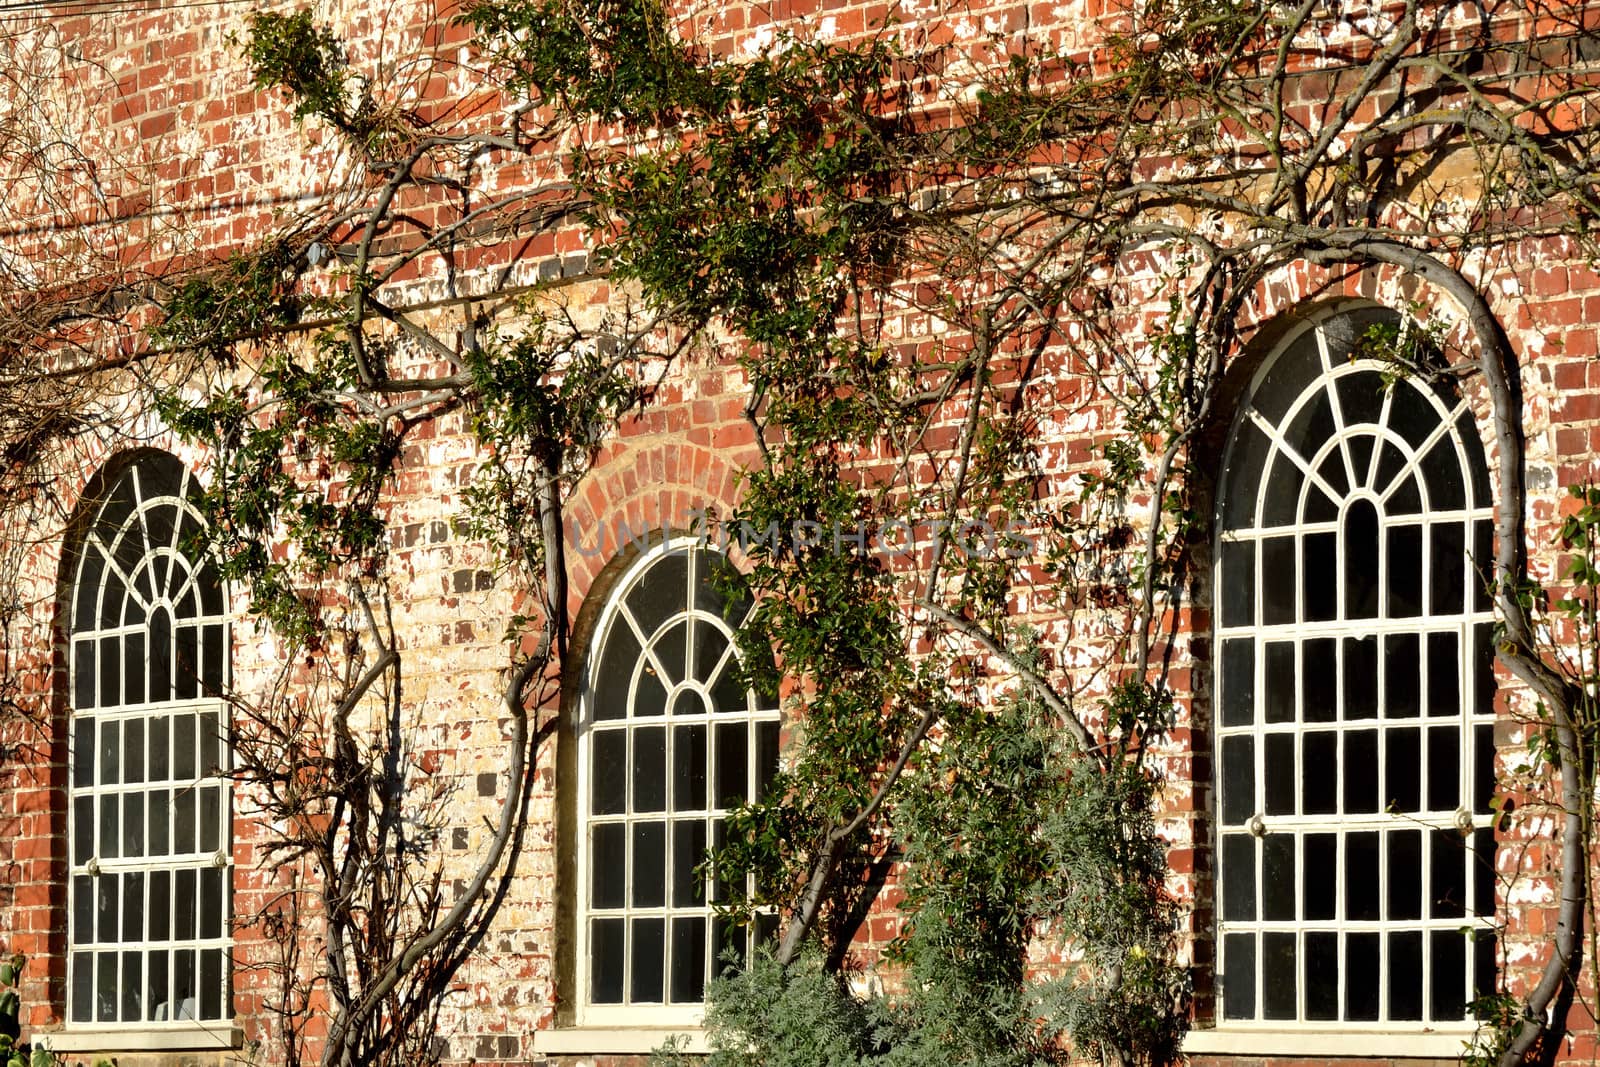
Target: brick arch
638	488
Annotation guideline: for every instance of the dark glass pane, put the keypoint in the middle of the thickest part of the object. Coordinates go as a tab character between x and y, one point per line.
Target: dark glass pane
133	825
83	676
1485	963
213	658
671	651
1405	975
1402	765
1390	463
1238	681
1482	768
1238	779
709	647
688	960
186	662
133	670
1318	671
1444	768
649	768
82	830
1361	977
92	565
1447	865
1238	583
688	852
607	880
1449	562
1441	473
1444	675
1484	877
1320	576
1477	468
608	789
133	750
1241	476
183	899
661	591
1405	571
211	983
606	948
160	914
1405	499
731	945
1280	775
1360	561
1402	666
105	987
160	749
158	990
720	589
721	888
729	693
649	695
183	821
649	865
82	909
186	1006
1311	426
1483	564
1332	471
1280	501
1411	414
212	898
210	819
1360	771
614	672
108	836
1238	980
1482	665
1279	681
1322	974
110	760
1448	952
1277	580
160	676
689	768
732	764
1321	876
82	751
1361	875
160	820
766	756
110	672
132	984
1318	506
106	909
1279	978
1278	885
82	987
183	748
1360	677
1360	397
1360	449
1238	878
1320	759
649	946
1405	874
213	746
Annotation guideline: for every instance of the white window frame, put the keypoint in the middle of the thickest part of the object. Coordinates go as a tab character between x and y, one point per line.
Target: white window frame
183	1026
629	1014
1302	1034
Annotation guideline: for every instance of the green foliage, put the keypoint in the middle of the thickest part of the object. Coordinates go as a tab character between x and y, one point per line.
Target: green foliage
247	297
14	1052
305	60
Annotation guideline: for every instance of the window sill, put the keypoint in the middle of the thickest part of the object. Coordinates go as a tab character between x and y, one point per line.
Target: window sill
128	1039
616	1039
1434	1044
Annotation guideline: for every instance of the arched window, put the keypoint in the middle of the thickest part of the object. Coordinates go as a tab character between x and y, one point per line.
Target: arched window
668	740
1354	692
150	829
